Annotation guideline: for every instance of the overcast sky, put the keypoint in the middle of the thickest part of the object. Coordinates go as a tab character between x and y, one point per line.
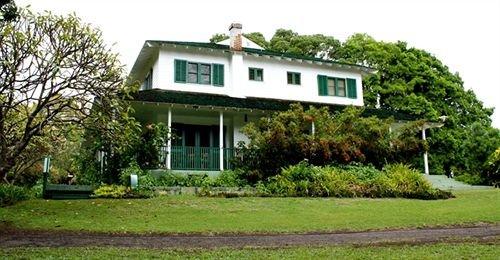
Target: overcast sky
465	35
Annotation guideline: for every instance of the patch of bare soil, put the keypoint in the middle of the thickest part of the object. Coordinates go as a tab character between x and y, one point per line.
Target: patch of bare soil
20	238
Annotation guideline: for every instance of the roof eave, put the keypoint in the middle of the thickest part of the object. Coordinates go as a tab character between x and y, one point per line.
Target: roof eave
364	70
143	55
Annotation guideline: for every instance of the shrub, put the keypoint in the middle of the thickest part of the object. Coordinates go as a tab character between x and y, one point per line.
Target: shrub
28	177
145	180
224	179
10	194
405	182
492	167
111	191
183	180
471	179
37	190
304	180
170	179
228	178
153	137
339	138
133	168
121	192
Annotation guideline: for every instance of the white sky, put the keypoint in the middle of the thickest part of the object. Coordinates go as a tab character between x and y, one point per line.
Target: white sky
465	35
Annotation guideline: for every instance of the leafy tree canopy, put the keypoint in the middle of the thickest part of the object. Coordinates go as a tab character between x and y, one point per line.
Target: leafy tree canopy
55	71
256	37
8	10
413	81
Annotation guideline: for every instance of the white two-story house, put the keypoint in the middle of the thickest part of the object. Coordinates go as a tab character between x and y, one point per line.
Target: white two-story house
207	92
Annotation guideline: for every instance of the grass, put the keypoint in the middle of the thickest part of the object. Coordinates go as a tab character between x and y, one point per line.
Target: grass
436	251
188	214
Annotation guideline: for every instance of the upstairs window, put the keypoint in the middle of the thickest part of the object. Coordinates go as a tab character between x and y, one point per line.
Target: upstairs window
339	87
331	87
198	73
148	81
256	74
192	73
293	78
205	74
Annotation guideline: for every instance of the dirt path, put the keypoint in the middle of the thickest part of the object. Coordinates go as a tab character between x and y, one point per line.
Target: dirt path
19	238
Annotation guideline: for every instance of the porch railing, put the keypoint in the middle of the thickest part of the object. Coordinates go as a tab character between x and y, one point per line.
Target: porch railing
199	158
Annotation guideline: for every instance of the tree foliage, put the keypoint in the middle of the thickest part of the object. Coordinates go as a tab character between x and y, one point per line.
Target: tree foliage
316	45
287	138
8	10
55	70
218	37
412	81
256	37
415	82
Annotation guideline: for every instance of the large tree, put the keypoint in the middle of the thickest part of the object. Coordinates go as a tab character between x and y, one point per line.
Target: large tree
416	82
413	81
53	71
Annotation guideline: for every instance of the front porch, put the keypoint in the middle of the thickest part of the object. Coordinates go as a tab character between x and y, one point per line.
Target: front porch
201	138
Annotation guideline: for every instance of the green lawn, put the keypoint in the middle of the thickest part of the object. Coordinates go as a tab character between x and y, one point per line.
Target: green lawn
188	214
437	251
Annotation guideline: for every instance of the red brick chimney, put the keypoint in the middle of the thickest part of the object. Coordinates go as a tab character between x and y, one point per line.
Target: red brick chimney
235	36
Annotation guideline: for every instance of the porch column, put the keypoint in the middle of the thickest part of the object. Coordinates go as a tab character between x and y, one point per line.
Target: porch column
426	161
169	141
221	141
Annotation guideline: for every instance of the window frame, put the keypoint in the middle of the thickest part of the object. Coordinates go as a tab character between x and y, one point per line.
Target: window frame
255	70
199	73
188	72
336	87
294	79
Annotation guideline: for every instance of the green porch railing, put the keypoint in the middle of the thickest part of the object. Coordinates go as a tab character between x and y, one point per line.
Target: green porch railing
200	158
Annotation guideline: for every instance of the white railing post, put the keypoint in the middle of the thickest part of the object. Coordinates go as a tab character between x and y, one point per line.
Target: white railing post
169	139
426	160
221	141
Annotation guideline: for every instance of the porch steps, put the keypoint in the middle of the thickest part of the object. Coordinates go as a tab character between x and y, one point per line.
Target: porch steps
444	183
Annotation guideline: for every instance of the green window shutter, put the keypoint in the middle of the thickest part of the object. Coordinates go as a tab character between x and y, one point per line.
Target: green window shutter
351	88
218	74
221	74
322	89
180	71
215	76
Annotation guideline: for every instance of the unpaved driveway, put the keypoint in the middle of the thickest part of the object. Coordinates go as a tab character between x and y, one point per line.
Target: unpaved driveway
20	238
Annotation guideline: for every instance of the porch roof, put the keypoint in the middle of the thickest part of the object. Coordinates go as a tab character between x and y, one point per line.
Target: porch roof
224	101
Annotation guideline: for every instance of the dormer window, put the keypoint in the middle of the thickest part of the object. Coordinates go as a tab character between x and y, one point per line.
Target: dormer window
256	74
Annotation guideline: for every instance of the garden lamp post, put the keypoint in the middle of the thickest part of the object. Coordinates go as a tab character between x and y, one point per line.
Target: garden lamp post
46	169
